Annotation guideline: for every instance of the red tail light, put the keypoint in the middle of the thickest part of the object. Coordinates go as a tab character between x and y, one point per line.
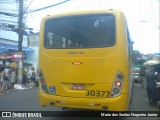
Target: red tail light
118	83
42	81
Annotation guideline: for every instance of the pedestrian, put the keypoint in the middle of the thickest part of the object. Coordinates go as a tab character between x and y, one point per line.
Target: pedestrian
33	76
142	77
24	79
2	67
151	83
4	79
12	78
29	73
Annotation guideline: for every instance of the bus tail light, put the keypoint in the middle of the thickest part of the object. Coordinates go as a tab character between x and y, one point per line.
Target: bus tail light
117	85
42	81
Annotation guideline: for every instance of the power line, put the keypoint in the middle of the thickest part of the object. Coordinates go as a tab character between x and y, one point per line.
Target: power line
28	6
15	15
4	9
7	1
9	14
48	6
10	21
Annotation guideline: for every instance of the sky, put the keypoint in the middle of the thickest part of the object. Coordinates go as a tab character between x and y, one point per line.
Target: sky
146	35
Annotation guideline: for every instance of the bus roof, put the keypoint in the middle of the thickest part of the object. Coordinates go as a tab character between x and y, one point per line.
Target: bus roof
79	12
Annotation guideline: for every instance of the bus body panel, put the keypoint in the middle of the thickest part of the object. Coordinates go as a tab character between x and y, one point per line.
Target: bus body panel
112	104
96	70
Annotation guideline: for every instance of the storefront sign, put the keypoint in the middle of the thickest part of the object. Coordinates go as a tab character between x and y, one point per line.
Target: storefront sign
18	56
14	56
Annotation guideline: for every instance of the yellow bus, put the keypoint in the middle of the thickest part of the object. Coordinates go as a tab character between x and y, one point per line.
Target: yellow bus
85	60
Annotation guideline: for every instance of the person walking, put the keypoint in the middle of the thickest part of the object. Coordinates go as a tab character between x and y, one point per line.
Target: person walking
24	78
151	83
29	73
142	77
33	76
2	68
4	79
12	78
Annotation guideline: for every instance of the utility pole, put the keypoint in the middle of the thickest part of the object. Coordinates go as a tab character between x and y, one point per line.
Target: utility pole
20	40
20	26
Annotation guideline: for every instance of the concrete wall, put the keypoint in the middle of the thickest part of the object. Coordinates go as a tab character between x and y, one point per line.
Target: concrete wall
33	57
33	44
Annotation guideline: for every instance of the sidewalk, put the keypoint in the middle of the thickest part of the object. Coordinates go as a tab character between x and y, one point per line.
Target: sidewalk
140	100
21	87
18	87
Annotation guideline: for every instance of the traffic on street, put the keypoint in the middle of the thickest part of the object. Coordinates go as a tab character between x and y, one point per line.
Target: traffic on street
27	100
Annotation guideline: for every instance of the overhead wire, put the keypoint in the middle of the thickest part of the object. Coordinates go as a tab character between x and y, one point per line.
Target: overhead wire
8	12
8	21
36	10
27	7
7	2
39	9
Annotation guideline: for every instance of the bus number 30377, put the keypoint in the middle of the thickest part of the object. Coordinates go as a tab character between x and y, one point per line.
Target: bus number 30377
96	93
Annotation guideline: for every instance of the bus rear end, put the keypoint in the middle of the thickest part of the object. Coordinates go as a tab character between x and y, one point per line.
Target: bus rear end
83	61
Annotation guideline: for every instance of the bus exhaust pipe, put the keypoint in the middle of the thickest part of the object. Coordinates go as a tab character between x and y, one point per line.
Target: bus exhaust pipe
65	108
52	103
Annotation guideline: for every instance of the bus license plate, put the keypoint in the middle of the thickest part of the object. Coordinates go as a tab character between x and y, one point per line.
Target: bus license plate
77	86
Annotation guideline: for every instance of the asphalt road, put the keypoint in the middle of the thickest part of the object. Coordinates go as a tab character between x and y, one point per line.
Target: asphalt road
27	100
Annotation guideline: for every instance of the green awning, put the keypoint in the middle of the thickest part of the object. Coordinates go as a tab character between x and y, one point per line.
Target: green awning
27	63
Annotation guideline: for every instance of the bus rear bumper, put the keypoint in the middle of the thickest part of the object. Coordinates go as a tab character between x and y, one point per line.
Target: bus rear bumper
119	103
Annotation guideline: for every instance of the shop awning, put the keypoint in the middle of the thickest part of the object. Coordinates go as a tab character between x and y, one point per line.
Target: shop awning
151	62
14	47
27	63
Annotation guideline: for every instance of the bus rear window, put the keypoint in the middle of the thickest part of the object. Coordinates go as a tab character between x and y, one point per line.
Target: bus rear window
88	31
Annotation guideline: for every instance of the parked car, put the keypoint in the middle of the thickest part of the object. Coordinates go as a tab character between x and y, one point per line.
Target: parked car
137	75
